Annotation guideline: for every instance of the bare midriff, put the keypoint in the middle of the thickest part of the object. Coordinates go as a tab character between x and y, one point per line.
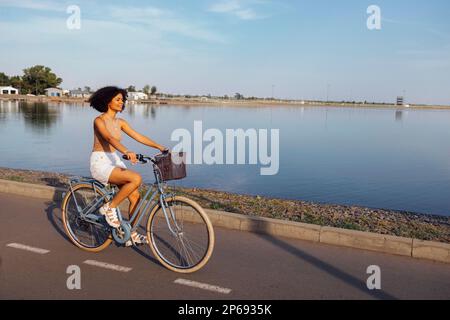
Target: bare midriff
100	144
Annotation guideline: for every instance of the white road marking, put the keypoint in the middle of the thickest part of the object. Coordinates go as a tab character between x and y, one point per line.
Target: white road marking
204	286
107	266
27	248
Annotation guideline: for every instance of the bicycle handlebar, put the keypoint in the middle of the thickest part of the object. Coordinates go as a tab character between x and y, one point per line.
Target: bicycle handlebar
143	159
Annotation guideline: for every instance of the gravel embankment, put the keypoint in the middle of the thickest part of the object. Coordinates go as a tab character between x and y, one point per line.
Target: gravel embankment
398	223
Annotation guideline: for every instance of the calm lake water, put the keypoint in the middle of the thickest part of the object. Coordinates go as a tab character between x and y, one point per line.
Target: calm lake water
378	158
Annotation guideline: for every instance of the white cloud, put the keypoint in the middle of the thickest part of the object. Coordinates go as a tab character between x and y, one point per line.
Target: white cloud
247	14
137	14
236	8
422	26
102	52
34	5
165	21
160	20
223	7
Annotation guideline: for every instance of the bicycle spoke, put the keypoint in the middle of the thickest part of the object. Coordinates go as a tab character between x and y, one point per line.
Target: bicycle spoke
201	248
184	258
185	250
194	243
188	246
166	244
179	252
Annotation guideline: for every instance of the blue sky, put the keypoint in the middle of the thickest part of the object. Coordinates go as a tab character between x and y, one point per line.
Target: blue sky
247	46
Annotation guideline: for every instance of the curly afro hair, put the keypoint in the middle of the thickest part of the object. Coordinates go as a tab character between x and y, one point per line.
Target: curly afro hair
102	97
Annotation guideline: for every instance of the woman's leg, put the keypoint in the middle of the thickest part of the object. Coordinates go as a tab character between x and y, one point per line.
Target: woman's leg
129	180
134	199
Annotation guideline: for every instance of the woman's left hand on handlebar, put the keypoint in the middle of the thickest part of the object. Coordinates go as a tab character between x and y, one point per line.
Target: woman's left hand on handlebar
163	149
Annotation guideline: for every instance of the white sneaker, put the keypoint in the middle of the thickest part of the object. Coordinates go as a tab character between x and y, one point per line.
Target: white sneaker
111	216
136	239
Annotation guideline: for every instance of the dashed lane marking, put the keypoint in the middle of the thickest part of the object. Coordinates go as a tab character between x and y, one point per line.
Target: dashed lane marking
203	286
27	248
109	266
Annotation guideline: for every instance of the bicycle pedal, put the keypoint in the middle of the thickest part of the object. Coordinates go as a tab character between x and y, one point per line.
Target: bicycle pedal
129	243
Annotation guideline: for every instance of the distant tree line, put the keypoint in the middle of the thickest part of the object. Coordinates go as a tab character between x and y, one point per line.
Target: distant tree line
36	79
147	89
33	81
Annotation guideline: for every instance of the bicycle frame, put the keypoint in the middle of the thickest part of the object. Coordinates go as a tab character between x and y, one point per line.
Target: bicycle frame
109	194
96	185
180	247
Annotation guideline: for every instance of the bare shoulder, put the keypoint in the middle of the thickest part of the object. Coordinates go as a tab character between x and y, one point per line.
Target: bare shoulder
98	121
123	123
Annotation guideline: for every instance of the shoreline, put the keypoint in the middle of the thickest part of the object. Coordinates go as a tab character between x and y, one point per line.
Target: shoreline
382	221
230	103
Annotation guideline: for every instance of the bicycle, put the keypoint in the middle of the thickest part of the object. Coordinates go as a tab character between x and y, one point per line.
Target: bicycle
178	230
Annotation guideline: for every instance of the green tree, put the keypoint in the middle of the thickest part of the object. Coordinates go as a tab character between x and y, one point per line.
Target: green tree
4	79
38	78
131	89
87	89
238	96
146	89
16	82
153	90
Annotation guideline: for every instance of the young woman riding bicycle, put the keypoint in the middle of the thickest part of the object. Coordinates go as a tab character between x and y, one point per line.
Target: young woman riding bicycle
105	164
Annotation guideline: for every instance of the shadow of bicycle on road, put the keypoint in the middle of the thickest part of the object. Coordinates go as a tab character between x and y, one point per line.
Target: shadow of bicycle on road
53	212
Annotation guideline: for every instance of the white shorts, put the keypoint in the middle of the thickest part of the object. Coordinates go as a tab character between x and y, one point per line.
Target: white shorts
103	163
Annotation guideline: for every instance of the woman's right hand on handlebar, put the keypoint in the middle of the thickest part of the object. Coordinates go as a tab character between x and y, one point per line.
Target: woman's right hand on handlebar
131	156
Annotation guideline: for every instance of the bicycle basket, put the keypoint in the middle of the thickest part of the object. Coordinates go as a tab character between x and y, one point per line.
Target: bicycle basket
172	165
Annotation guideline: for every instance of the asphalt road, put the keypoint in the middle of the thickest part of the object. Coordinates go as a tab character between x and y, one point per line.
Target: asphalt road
243	266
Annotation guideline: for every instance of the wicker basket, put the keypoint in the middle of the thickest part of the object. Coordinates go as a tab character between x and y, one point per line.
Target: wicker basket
171	165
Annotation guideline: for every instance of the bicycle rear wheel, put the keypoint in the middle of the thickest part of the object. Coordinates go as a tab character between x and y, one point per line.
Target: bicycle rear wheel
190	245
85	235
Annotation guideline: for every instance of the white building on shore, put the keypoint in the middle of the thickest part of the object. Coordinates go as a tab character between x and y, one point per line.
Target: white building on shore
79	94
137	96
9	90
54	92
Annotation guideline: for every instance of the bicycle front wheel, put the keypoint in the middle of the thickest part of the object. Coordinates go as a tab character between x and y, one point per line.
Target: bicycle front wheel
183	238
85	235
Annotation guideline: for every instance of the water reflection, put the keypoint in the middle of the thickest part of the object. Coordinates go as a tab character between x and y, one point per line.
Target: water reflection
74	106
153	112
401	115
131	108
149	111
39	116
140	110
8	107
